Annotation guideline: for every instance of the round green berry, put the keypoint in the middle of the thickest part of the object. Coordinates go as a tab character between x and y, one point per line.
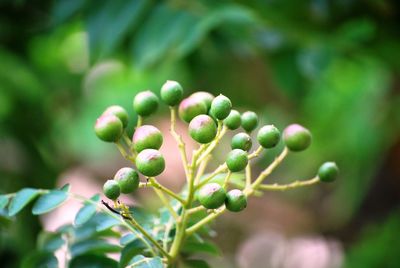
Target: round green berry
221	107
328	172
171	93
233	121
202	129
108	128
241	141
150	162
211	196
145	103
128	180
204	97
235	200
111	189
296	137
249	121
119	112
268	136
147	137
189	108
237	160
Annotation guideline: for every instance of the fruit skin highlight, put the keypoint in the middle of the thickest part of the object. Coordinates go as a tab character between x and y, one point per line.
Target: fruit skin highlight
108	128
119	112
171	93
297	138
235	200
233	121
190	107
145	103
328	172
249	121
220	107
150	162
202	129
111	189
128	180
204	97
211	196
268	136
241	141
237	160
147	137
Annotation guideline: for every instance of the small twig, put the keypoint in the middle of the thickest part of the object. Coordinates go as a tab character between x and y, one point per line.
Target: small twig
293	185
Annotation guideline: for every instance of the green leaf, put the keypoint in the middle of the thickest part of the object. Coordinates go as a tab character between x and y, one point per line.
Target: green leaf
95	246
21	199
40	260
105	222
195	264
49	202
143	262
86	212
129	251
4	201
192	246
66	187
92	261
126	239
50	241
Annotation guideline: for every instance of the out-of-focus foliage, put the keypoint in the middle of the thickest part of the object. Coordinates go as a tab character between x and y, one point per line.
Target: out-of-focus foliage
330	65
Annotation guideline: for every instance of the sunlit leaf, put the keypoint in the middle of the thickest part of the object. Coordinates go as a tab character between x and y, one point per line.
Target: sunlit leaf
4	201
87	211
129	251
143	262
49	202
21	199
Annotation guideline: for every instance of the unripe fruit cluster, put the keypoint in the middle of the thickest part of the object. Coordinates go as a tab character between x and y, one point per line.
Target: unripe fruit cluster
213	195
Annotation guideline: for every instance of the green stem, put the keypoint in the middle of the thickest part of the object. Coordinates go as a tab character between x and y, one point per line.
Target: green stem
192	229
248	175
219	170
220	133
139	121
124	153
179	140
226	180
154	183
293	185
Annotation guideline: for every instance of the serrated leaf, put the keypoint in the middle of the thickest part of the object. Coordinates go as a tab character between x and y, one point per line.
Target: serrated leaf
93	246
21	199
40	259
4	201
86	212
129	251
192	246
143	262
49	202
92	261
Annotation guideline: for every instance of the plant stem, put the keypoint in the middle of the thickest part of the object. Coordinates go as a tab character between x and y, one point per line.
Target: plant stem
219	170
124	153
192	229
293	185
179	140
202	168
139	121
269	169
226	180
154	183
166	203
196	209
220	133
248	175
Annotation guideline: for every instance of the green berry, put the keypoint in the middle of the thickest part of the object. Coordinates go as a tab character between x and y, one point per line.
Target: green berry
171	93
249	121
328	172
241	141
237	160
233	121
119	112
296	138
145	103
211	196
150	162
235	200
202	129
108	128
204	97
221	107
111	189
189	108
147	137
268	136
128	180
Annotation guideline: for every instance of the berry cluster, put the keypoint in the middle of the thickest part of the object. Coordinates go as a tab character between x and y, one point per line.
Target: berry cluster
208	118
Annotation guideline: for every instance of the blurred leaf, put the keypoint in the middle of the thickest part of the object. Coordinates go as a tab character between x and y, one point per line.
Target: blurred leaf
126	239
143	262
4	201
49	202
104	222
192	246
21	199
87	211
195	264
64	9
95	246
50	241
129	251
40	260
110	22
92	261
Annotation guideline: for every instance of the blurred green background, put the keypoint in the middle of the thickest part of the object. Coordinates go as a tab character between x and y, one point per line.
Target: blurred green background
332	66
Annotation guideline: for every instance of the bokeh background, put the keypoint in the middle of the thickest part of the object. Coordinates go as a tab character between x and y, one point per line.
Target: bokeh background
332	66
